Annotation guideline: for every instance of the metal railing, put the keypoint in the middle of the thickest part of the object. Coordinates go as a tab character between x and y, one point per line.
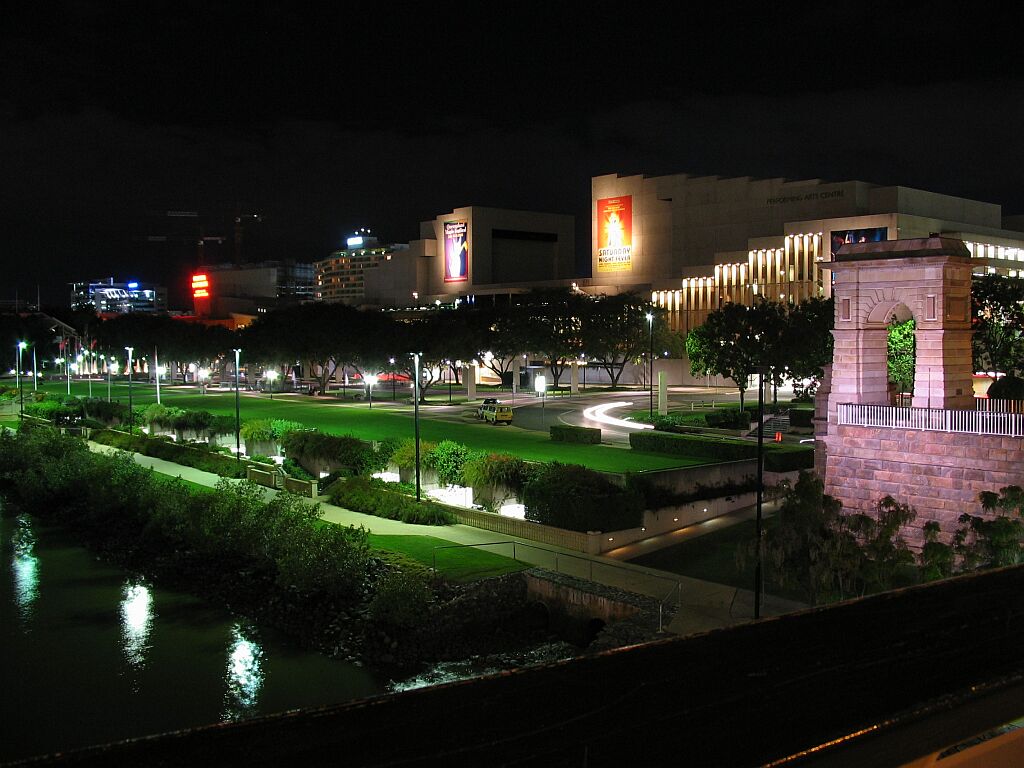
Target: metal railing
563	557
932	419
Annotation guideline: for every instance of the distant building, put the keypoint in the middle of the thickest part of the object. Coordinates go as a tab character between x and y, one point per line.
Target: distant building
222	290
108	297
341	276
475	251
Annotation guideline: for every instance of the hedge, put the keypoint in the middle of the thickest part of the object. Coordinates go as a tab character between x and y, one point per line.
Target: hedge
801	417
728	418
168	450
370	497
580	499
567	433
312	449
777	458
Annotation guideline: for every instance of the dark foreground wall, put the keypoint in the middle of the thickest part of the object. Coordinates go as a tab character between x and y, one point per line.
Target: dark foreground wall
891	678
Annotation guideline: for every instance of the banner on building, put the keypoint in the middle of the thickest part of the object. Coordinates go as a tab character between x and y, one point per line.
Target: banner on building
456	252
615	234
841	237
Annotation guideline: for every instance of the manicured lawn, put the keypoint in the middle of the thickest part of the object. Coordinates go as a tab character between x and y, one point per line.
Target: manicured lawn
456	564
389	421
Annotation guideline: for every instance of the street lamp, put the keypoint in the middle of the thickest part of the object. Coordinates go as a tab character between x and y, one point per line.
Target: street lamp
110	369
238	422
393	391
540	386
204	374
35	370
131	415
371	382
762	371
21	389
271	376
416	414
157	371
650	360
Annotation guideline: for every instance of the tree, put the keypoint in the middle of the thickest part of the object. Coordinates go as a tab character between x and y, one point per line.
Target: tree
997	319
901	349
881	539
552	321
727	345
807	342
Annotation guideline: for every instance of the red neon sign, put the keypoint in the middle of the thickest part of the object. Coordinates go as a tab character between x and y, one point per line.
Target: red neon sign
200	284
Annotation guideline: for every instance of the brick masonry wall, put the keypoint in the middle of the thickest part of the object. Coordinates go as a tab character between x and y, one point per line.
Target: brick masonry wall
940	474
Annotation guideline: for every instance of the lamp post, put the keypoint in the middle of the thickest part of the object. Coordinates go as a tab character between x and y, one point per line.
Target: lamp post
540	386
88	370
156	372
761	371
449	364
67	372
416	415
110	368
650	360
271	376
131	415
371	382
393	391
204	374
238	423
21	390
35	370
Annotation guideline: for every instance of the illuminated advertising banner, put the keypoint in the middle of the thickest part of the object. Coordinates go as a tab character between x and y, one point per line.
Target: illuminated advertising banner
456	252
841	237
615	234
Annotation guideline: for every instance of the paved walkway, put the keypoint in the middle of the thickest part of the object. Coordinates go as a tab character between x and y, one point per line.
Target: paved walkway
702	605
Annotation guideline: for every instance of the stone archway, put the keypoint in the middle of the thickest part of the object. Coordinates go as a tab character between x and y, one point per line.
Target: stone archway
928	280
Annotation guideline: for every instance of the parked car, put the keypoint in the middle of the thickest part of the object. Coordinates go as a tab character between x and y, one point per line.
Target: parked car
487	401
498	414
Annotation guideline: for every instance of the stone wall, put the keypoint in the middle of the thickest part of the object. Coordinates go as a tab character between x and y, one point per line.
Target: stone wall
940	474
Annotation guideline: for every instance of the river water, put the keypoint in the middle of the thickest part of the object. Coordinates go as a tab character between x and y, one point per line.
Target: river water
90	654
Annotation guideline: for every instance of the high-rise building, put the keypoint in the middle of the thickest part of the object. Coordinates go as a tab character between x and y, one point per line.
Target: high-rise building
109	297
341	276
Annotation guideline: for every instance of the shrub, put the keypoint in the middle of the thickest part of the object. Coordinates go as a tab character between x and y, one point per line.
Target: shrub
164	448
370	497
160	415
496	469
108	413
567	433
580	499
404	455
802	418
447	459
280	427
657	497
1006	388
777	458
221	425
295	470
401	600
728	418
195	421
314	449
788	458
257	431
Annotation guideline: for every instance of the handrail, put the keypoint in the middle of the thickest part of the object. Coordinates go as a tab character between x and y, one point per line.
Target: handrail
678	584
932	419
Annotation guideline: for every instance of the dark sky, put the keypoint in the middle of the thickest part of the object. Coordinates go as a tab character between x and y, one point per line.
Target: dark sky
383	117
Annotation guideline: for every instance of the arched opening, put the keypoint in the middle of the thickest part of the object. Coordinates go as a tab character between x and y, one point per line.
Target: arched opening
901	359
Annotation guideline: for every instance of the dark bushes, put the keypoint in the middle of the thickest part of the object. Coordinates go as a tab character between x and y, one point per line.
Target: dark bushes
567	433
160	448
314	450
777	458
580	499
371	497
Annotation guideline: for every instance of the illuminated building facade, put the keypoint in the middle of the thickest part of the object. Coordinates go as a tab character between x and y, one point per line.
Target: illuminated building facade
475	251
109	297
223	290
695	243
341	276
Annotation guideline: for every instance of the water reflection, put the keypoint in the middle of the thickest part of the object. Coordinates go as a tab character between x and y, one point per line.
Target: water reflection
244	676
136	622
25	569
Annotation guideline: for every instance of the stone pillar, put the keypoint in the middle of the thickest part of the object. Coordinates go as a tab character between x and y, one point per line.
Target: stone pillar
942	373
859	370
469	376
662	394
574	378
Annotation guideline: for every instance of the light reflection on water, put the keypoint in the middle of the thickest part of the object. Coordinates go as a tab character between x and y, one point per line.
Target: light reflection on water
136	622
244	675
25	569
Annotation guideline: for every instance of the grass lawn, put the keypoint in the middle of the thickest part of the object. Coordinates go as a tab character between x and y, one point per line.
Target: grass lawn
388	421
461	564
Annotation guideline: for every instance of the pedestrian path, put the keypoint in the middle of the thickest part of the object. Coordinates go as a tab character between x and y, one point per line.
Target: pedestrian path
701	605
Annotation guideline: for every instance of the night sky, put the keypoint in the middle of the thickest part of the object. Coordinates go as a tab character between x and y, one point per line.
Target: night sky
113	113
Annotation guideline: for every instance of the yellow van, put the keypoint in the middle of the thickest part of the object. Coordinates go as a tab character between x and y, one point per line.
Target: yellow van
498	414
